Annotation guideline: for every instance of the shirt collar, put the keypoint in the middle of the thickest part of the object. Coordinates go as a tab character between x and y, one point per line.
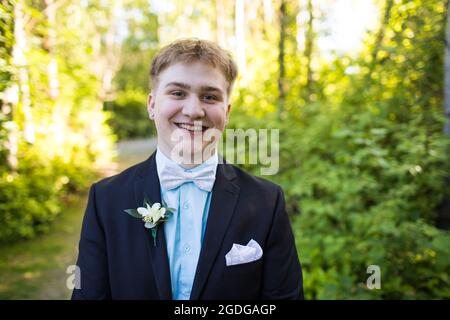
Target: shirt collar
162	160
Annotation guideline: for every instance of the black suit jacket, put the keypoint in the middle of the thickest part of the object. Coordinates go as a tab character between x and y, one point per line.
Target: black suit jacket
117	258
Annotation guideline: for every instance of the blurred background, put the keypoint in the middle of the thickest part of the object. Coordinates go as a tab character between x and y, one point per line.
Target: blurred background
356	87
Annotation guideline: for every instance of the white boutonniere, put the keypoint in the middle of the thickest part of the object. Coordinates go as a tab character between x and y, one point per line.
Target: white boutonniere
152	214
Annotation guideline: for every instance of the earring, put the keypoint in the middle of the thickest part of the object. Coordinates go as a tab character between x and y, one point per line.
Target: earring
152	115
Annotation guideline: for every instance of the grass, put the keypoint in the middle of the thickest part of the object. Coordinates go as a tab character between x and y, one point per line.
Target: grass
36	269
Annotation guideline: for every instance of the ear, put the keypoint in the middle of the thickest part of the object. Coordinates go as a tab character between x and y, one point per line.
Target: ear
227	115
151	106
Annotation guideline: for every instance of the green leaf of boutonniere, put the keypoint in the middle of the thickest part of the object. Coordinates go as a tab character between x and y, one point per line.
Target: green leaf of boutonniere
133	212
152	215
154	230
146	199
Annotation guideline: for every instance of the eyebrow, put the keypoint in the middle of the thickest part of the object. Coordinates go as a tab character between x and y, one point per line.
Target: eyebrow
187	87
178	84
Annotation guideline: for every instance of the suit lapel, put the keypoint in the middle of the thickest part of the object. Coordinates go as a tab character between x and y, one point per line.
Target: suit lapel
147	183
223	202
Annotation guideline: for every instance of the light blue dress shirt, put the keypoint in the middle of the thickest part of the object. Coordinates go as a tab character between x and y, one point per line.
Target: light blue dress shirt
185	229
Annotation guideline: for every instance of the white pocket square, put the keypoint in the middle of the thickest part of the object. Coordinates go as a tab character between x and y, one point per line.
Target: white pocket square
243	254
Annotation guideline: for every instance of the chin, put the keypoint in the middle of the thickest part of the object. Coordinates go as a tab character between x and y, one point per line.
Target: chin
199	153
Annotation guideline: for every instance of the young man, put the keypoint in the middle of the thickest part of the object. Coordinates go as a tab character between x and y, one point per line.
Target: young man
228	237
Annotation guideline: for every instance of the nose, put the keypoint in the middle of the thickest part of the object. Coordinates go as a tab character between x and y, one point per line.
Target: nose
193	109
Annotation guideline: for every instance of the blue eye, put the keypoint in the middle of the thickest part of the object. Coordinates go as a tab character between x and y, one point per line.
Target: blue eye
209	97
177	93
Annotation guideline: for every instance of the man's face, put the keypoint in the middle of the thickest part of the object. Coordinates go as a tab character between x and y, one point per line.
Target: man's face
190	104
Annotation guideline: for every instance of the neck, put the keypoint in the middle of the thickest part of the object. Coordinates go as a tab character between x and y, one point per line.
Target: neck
191	160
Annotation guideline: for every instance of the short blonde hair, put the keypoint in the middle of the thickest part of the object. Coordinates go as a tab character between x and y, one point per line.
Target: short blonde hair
193	50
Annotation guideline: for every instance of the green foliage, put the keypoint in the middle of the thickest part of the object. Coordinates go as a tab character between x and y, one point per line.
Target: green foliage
6	43
53	135
373	169
128	115
368	191
365	166
128	112
6	69
31	196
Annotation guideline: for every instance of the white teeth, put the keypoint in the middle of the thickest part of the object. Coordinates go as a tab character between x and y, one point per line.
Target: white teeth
189	127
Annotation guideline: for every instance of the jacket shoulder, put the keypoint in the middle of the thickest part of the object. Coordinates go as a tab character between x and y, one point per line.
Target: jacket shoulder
255	184
122	179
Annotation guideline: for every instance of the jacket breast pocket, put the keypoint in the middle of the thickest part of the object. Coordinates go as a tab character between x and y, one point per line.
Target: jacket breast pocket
249	269
242	281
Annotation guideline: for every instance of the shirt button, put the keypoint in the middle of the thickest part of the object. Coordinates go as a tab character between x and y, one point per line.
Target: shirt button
187	248
186	205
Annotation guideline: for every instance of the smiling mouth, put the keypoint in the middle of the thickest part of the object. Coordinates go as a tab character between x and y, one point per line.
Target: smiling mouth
191	128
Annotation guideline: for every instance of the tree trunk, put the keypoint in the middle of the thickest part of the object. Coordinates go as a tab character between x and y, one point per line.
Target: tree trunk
49	45
443	217
380	35
107	52
23	108
220	23
309	41
9	89
240	34
447	76
268	11
281	58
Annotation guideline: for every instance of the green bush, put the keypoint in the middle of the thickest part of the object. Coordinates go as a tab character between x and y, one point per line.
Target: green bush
364	161
368	190
32	197
128	115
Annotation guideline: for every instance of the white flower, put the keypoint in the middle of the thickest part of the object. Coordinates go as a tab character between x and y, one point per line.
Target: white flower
143	211
151	215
